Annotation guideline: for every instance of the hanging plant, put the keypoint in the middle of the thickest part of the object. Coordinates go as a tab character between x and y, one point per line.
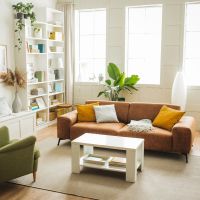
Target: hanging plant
23	11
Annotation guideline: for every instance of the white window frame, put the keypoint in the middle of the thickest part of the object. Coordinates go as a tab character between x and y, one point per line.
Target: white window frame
127	40
96	81
184	46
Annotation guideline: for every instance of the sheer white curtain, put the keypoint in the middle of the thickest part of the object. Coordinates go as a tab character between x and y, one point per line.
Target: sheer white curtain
68	8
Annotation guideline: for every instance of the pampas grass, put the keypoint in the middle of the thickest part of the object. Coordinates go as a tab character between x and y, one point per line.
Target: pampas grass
11	78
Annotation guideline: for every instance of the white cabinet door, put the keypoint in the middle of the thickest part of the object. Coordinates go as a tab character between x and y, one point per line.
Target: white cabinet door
27	125
14	129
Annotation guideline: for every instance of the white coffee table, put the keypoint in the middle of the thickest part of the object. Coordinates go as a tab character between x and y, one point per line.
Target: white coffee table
134	148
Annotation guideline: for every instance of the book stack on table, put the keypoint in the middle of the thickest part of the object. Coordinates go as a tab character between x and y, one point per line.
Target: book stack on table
118	162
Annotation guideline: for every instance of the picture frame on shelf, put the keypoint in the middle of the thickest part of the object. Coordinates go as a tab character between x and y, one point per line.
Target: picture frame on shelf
3	58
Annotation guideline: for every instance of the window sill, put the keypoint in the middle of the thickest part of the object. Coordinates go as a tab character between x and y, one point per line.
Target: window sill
88	84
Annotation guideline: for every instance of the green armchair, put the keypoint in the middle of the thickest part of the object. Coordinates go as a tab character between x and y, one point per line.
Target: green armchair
17	157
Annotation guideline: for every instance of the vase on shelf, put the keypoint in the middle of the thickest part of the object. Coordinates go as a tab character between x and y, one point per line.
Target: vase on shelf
17	104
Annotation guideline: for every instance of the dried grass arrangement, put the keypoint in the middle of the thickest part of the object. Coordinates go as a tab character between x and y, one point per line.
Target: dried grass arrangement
13	78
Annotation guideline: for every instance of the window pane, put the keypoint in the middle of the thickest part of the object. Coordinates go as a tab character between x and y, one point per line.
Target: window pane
144	43
90	44
86	22
99	47
100	22
192	44
86	47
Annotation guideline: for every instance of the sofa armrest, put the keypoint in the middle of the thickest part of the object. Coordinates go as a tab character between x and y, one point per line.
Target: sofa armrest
184	133
64	124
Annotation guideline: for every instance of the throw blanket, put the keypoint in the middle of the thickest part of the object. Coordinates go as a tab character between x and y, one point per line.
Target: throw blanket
140	126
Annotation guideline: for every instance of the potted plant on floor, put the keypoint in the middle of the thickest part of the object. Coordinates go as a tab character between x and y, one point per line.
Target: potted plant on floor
118	82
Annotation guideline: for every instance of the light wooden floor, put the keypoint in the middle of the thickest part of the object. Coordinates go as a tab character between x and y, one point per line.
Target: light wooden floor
10	191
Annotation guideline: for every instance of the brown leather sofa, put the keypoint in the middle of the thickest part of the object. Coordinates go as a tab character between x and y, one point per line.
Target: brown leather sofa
178	140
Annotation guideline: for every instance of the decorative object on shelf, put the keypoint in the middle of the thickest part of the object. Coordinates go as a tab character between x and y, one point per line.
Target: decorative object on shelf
37	30
17	104
40	75
3	58
55	36
41	48
15	79
58	87
118	82
100	77
37	91
179	91
51	75
56	63
23	11
57	73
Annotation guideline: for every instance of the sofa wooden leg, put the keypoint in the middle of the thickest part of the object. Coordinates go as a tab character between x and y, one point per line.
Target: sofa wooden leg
59	141
34	176
186	157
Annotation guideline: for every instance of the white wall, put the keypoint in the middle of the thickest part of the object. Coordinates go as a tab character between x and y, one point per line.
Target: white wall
7	35
172	46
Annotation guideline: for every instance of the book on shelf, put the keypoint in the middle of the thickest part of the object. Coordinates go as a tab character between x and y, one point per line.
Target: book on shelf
40	102
95	159
118	162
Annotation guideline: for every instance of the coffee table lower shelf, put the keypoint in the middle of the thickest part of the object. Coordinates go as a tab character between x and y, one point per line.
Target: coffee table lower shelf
106	166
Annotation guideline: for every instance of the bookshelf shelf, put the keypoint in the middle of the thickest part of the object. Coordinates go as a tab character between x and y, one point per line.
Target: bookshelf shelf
34	59
55	93
35	96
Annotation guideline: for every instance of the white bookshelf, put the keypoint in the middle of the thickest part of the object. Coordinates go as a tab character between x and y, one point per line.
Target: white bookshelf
49	59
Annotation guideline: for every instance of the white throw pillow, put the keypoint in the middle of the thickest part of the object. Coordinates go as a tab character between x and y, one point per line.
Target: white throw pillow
105	113
4	107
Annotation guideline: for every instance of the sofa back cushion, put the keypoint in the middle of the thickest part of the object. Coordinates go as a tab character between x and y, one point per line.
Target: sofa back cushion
138	111
122	108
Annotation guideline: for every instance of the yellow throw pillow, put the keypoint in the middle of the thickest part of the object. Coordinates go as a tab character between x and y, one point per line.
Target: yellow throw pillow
167	118
86	112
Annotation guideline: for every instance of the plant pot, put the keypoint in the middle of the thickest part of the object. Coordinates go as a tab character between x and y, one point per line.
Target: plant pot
25	16
121	99
20	16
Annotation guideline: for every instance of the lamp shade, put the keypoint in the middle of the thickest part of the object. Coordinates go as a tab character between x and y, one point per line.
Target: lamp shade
179	91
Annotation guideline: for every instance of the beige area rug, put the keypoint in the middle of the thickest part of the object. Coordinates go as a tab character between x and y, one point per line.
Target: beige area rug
165	176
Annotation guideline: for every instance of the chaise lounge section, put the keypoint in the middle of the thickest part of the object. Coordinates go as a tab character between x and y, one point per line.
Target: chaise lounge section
178	140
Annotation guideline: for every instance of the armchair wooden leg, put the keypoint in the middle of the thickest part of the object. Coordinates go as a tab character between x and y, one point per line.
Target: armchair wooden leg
34	176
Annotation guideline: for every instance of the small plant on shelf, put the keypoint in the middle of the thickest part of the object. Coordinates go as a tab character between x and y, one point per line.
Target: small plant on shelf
118	82
23	11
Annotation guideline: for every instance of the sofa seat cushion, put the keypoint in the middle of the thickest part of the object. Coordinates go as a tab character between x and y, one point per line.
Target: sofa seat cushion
157	139
93	127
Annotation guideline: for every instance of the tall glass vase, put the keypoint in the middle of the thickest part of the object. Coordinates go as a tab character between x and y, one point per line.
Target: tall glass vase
17	104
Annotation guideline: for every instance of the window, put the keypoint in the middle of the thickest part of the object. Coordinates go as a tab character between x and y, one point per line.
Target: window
191	60
143	43
90	44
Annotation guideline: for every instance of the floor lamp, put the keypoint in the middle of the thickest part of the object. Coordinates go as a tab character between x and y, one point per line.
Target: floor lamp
179	91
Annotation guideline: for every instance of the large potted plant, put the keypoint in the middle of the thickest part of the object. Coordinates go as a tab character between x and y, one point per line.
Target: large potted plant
118	82
23	11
